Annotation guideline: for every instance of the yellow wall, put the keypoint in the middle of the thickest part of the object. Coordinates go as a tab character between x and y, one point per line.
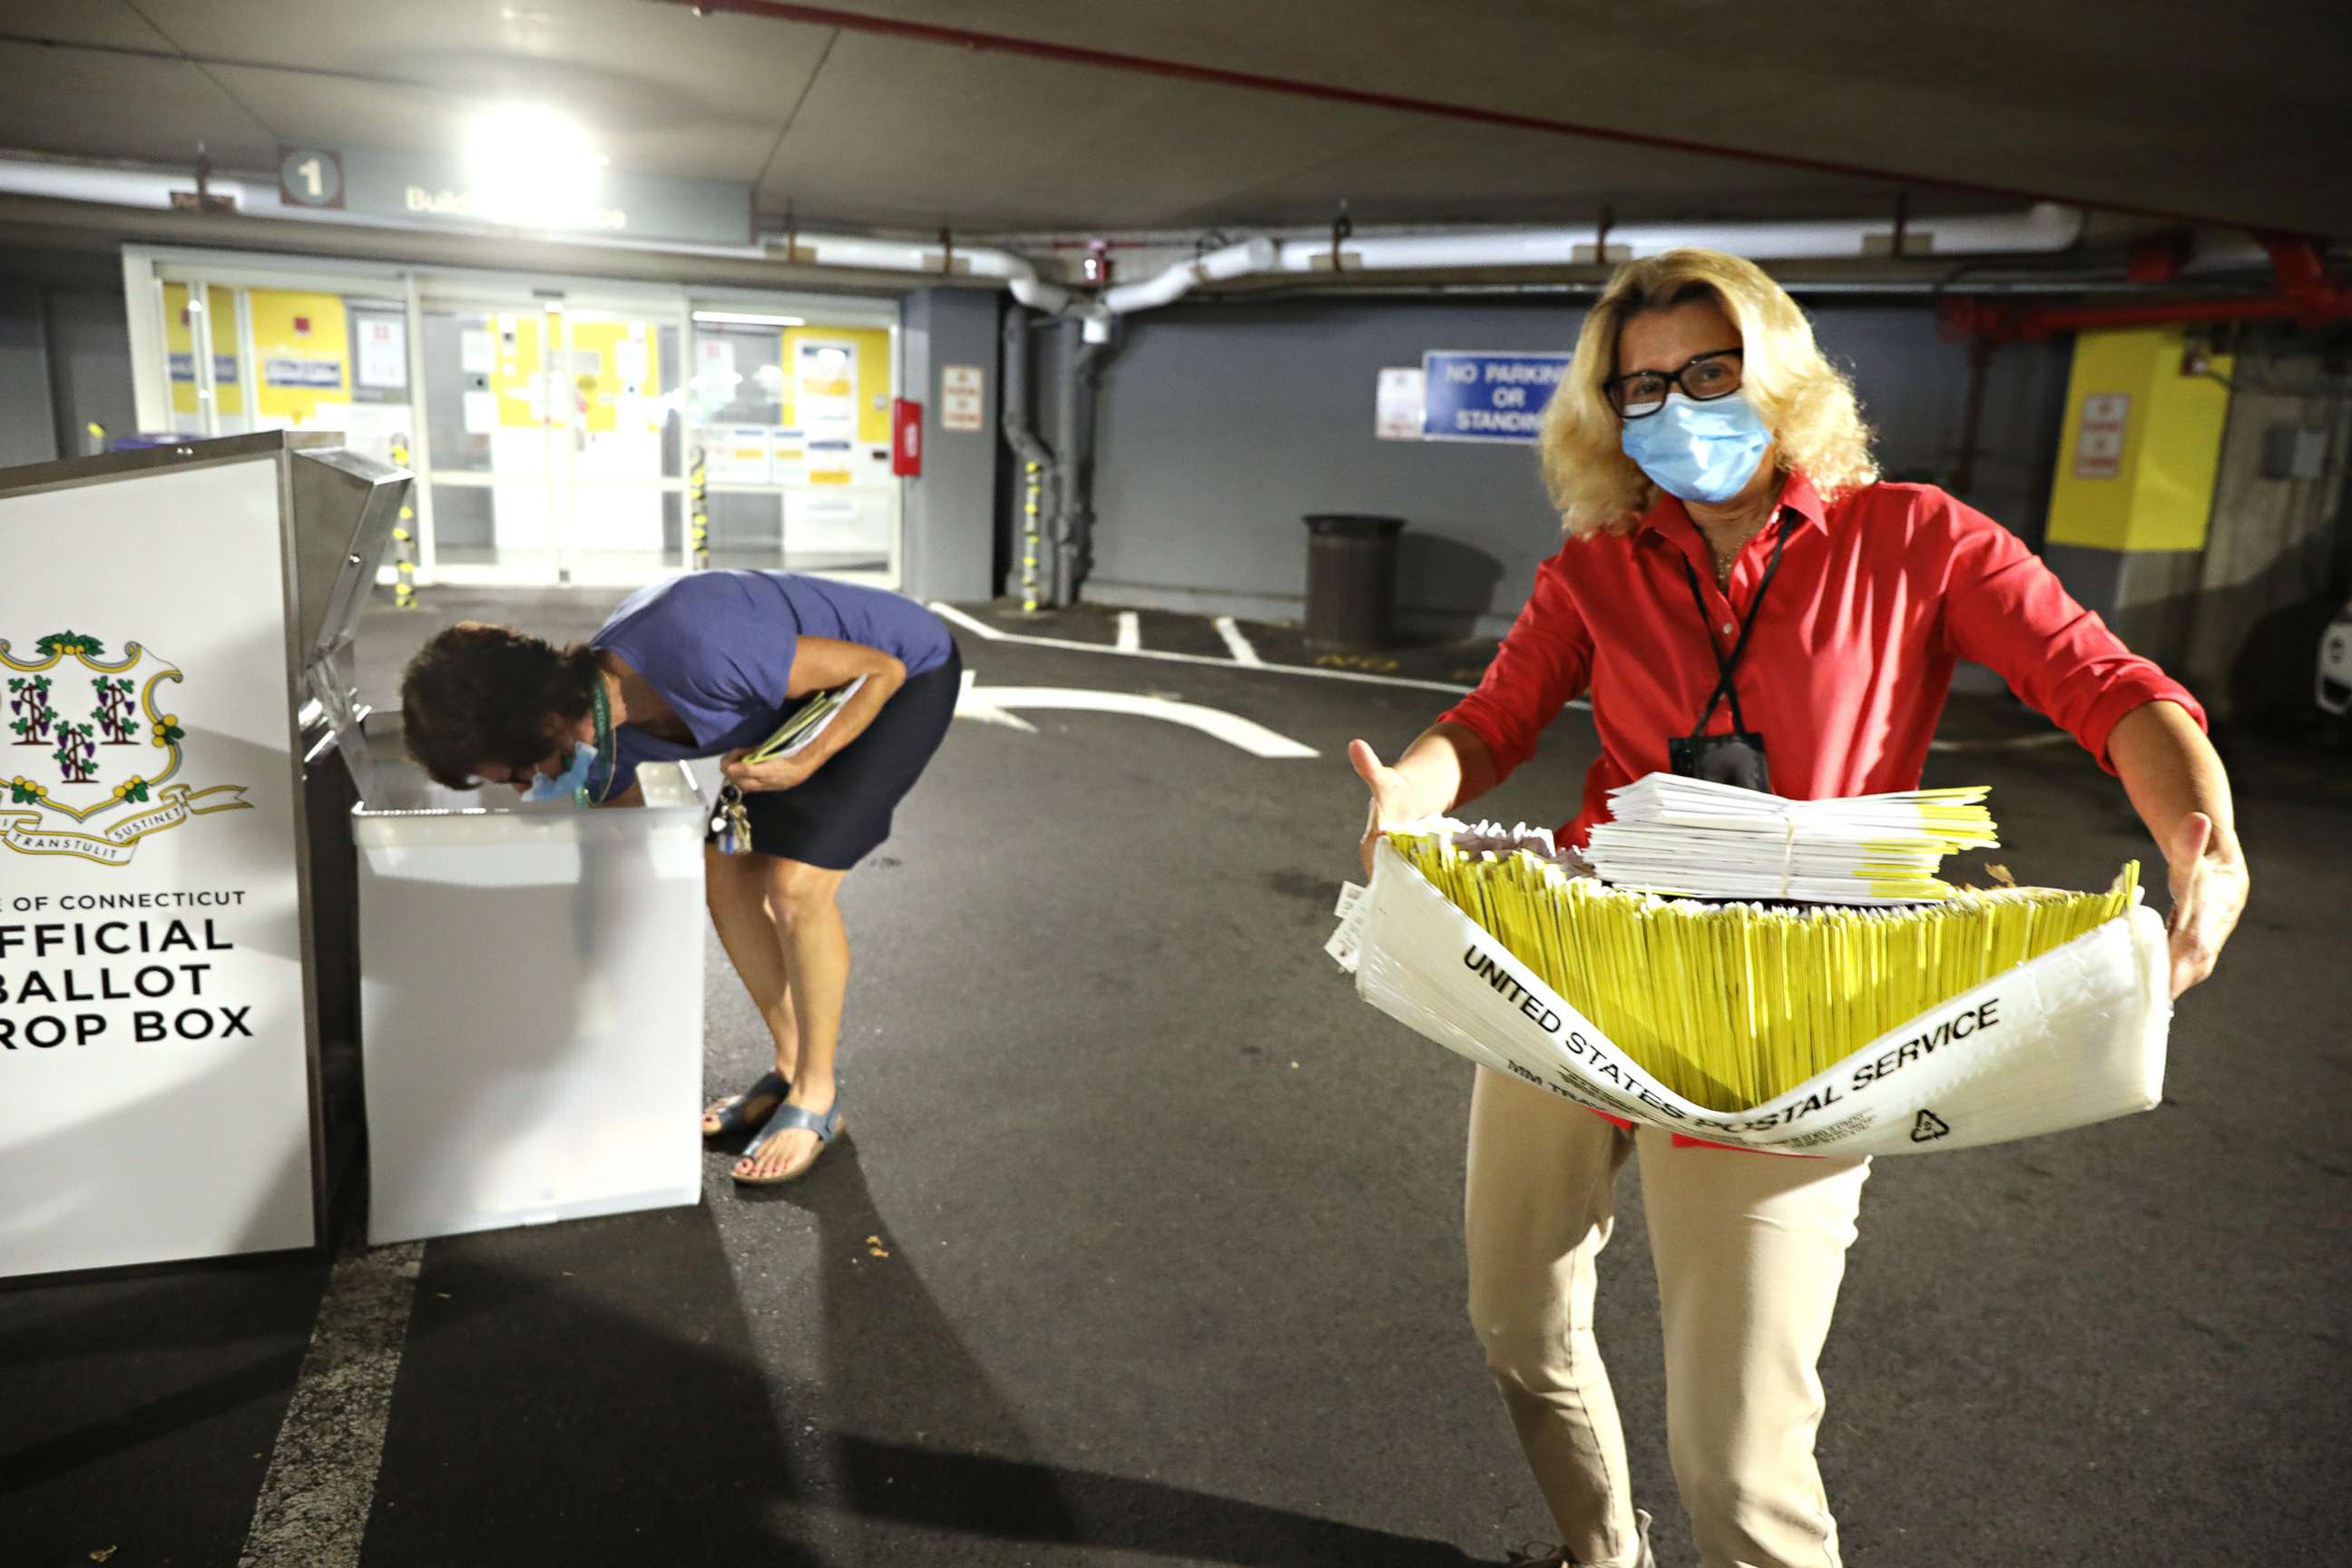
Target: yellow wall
517	366
873	346
2161	494
276	314
599	391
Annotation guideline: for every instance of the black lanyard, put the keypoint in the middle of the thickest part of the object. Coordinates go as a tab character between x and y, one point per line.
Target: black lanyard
1727	667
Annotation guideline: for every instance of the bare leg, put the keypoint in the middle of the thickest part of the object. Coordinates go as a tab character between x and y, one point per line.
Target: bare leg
737	892
816	950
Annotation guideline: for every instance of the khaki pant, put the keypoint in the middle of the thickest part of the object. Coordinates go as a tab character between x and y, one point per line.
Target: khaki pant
1749	1251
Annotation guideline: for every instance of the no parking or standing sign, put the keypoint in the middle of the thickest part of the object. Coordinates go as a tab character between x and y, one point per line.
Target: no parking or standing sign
1480	396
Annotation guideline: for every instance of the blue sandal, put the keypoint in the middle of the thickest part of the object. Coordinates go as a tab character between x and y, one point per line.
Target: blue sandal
825	1126
730	1115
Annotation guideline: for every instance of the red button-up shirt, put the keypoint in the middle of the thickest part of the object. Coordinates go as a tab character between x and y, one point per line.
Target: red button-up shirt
1880	594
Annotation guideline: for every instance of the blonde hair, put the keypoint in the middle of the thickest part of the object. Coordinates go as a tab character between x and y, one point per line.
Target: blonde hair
1806	403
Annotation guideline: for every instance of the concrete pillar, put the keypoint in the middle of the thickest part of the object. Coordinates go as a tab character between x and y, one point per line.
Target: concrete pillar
951	511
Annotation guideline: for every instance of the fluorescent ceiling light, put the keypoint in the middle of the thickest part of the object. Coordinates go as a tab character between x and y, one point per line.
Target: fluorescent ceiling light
748	319
533	167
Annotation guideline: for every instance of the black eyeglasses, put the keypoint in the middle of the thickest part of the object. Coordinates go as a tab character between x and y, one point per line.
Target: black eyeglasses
1702	378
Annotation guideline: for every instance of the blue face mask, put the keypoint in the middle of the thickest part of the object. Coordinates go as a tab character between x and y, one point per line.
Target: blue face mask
1698	451
574	778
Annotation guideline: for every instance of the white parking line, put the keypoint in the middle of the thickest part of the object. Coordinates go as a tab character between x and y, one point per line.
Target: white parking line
1229	629
321	1485
981	628
1131	632
994	704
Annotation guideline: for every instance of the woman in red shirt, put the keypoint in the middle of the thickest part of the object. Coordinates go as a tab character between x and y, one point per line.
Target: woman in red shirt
1745	601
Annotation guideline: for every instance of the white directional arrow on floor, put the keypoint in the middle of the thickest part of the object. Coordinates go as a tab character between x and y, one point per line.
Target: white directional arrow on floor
995	705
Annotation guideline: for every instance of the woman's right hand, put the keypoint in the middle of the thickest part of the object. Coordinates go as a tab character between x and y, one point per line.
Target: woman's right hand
1391	803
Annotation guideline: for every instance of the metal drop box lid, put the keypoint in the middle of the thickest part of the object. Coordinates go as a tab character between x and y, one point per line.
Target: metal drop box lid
338	508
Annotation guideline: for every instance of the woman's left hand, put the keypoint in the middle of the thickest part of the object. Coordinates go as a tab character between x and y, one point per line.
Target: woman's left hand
776	773
2208	878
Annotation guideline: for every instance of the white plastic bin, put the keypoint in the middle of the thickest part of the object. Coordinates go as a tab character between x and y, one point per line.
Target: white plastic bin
531	1005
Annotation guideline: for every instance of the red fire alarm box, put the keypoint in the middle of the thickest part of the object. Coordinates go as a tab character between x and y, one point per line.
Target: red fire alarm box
905	437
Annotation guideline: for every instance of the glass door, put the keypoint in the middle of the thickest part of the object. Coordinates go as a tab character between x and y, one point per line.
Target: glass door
622	456
562	429
493	497
791	418
555	440
325	353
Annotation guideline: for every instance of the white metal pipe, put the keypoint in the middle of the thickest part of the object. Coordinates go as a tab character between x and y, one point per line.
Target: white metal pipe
1039	295
1252	256
2040	229
2043	228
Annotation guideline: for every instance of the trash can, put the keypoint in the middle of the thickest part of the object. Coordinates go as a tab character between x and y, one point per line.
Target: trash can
1351	572
530	1000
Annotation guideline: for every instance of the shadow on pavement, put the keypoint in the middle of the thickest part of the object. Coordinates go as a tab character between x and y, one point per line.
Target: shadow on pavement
136	1410
887	1347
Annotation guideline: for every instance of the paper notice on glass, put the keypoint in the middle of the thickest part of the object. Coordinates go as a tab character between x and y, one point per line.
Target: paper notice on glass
481	412
736	454
629	359
828	462
713	382
477	351
383	352
1403	392
825	392
788	456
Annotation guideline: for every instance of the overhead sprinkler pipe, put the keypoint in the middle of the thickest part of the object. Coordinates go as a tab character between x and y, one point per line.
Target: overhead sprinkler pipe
2040	230
940	257
2304	294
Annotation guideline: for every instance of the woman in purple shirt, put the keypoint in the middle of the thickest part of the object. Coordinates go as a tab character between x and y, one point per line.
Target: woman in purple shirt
707	666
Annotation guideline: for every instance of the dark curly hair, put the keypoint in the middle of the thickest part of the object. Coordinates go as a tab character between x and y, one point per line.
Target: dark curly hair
480	693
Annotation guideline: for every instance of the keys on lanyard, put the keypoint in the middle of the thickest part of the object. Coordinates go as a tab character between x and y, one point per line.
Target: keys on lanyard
732	824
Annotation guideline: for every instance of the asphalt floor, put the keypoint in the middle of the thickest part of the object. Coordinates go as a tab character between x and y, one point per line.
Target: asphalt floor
1143	1243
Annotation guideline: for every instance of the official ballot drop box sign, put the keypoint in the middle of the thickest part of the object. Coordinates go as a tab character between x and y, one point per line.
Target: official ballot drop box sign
154	1046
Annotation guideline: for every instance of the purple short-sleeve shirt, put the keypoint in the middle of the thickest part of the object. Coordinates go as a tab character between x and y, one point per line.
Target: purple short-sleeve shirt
719	646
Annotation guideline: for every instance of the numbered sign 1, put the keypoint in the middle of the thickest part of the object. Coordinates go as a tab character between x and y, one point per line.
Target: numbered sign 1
309	177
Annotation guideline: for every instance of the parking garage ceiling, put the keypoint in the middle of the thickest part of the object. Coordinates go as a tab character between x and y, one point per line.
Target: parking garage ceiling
2228	113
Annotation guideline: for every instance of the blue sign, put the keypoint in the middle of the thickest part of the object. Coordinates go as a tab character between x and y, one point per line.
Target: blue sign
1487	396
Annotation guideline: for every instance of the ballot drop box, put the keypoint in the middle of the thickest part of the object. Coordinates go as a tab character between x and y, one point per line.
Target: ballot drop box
531	1001
175	983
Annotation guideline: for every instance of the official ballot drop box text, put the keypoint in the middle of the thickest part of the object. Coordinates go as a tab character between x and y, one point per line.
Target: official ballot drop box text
173	626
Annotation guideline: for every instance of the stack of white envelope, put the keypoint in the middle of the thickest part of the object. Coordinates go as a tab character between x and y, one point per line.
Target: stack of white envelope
1691	838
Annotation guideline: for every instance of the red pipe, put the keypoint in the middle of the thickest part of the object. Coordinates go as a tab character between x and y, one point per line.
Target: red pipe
1072	54
2306	295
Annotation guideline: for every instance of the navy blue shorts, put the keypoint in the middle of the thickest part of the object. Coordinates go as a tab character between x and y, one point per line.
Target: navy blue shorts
843	812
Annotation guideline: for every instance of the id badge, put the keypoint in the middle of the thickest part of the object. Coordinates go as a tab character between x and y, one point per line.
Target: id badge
1737	758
